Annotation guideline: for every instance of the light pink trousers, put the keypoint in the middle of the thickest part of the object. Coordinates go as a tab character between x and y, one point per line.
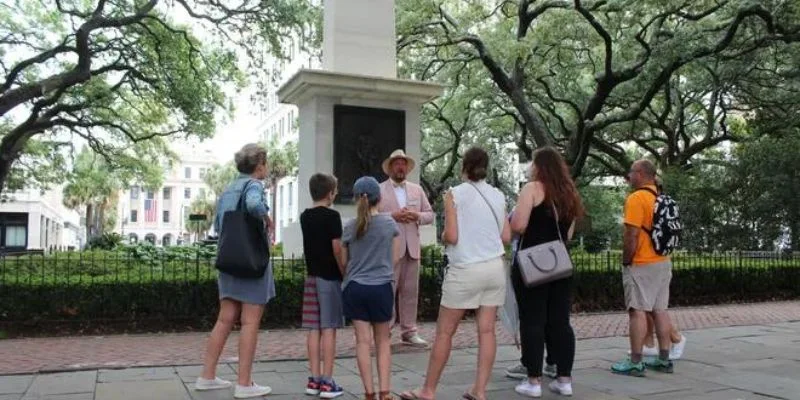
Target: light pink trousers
406	293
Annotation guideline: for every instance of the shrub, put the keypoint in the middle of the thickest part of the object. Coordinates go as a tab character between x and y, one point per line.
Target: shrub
106	241
144	283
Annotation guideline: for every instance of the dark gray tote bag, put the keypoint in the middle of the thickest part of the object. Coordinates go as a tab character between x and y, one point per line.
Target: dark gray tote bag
242	251
545	262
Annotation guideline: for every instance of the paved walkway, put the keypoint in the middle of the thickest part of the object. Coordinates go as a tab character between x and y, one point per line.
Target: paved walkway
117	351
745	362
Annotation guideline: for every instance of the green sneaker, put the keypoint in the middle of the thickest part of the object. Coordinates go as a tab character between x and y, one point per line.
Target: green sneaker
550	371
660	365
626	367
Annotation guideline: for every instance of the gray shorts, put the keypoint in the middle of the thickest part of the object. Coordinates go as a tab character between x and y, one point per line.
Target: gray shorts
647	286
322	304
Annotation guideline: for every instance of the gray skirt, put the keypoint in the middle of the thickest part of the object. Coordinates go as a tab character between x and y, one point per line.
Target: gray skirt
248	291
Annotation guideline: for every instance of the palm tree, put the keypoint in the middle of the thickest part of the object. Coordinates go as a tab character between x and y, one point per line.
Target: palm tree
282	163
90	185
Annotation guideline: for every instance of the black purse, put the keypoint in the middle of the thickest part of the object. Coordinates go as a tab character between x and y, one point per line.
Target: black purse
242	249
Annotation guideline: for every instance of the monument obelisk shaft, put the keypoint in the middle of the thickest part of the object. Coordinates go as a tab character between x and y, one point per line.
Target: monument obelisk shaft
359	37
356	86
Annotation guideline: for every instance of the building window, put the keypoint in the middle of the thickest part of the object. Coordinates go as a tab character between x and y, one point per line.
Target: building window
15	236
166	216
166	240
187	193
134	215
187	172
167	193
134	193
280	123
202	173
151	195
202	193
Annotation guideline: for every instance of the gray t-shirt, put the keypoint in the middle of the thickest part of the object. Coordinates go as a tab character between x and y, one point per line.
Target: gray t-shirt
370	257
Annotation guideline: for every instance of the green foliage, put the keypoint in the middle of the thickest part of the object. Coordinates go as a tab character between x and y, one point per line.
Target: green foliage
106	241
767	178
601	229
125	77
141	283
592	78
219	176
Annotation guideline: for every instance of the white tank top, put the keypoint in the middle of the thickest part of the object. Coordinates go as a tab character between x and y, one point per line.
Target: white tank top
479	234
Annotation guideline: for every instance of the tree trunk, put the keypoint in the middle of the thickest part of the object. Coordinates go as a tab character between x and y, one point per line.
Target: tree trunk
794	234
89	221
5	170
101	218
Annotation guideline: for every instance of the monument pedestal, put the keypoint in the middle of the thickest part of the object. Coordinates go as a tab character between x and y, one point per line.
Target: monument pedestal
348	124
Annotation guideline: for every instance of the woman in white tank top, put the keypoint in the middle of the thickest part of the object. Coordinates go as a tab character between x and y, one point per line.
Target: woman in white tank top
476	229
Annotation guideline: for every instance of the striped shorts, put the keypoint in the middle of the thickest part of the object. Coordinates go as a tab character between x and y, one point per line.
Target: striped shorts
322	304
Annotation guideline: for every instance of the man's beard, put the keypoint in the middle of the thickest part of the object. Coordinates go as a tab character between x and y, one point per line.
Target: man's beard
398	177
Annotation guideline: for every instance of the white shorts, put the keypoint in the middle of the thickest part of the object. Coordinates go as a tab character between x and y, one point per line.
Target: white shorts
467	287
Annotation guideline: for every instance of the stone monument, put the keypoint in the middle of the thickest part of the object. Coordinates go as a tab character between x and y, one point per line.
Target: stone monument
354	112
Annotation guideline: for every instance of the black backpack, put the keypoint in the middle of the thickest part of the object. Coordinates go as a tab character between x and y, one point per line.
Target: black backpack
667	226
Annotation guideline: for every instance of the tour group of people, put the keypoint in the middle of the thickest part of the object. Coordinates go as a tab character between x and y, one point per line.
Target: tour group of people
367	271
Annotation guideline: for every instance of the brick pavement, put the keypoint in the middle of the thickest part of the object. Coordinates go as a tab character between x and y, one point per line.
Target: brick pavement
117	351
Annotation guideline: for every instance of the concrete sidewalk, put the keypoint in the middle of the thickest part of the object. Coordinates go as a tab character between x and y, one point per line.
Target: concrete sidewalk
61	354
745	362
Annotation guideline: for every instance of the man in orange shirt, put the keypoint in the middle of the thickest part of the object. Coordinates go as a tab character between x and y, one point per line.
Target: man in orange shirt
645	275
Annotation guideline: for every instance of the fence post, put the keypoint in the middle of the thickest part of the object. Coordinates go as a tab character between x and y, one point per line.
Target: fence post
197	265
741	272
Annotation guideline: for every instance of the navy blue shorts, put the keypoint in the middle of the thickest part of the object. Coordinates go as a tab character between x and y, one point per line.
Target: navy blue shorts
370	303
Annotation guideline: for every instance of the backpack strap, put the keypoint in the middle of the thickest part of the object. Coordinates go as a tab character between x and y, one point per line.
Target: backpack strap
647	189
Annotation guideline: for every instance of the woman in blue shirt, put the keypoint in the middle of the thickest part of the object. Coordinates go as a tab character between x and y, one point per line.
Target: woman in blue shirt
241	299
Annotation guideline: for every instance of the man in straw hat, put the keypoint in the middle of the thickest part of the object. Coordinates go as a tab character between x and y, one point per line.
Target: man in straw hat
409	206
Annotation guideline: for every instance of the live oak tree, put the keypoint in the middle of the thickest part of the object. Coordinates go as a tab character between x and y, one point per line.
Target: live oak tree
576	74
114	73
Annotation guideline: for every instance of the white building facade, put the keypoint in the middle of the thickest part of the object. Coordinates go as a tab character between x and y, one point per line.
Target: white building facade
31	219
280	125
159	216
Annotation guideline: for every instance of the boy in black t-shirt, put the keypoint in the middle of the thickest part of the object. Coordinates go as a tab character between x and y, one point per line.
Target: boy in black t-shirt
322	294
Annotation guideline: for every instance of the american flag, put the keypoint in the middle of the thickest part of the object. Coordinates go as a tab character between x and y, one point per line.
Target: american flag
150	213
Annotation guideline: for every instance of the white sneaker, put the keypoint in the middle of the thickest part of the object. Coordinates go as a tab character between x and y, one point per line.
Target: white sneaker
676	352
562	388
211	384
415	340
246	392
526	388
648	351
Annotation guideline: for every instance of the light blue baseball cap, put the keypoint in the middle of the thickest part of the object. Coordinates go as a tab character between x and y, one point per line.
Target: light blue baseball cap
367	185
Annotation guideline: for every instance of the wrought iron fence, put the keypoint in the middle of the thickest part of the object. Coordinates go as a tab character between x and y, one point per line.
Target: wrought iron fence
163	286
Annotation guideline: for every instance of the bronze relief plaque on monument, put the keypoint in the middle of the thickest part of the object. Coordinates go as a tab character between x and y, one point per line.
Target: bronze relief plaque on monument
362	138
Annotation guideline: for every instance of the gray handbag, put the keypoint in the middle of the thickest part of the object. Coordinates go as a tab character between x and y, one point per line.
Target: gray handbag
545	262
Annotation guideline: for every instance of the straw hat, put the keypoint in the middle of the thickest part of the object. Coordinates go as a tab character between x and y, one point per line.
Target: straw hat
397	154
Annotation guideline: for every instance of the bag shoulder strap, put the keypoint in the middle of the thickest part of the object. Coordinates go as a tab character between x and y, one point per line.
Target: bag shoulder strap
558	226
240	205
496	217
